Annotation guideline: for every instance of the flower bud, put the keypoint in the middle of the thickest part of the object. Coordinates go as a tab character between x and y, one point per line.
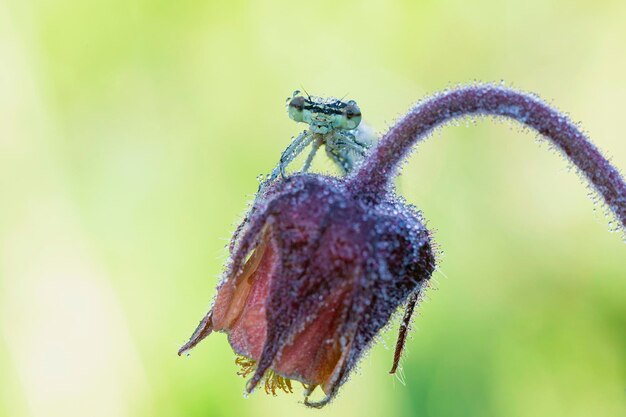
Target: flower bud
316	273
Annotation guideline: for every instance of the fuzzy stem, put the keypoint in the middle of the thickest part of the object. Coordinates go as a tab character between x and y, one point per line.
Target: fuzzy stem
372	180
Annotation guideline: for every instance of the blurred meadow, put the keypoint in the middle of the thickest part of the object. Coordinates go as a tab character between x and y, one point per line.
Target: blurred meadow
131	136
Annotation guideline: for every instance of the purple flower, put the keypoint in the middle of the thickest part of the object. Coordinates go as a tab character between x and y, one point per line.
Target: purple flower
321	264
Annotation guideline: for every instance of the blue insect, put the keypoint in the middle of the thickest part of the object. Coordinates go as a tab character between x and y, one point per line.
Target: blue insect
334	123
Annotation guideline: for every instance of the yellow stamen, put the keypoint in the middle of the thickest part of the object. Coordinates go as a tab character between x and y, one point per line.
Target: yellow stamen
247	366
273	381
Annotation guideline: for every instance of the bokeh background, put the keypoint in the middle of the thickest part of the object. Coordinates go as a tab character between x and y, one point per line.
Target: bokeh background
131	136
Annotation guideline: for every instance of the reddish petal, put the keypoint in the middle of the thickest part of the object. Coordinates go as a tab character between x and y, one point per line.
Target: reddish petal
315	352
233	295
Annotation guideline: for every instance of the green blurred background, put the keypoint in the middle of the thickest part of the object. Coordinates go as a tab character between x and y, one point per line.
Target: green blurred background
131	134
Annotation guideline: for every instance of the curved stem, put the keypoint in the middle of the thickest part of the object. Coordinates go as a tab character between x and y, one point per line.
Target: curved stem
372	179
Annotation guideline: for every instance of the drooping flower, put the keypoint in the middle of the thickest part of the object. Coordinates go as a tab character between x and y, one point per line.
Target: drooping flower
321	264
314	276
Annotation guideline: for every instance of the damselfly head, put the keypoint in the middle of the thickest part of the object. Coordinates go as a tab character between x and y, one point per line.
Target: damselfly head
324	114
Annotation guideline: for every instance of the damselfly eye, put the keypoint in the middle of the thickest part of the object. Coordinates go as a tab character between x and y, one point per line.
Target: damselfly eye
352	114
352	110
296	106
297	103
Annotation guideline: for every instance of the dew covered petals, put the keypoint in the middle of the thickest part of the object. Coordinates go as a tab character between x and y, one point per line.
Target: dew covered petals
325	273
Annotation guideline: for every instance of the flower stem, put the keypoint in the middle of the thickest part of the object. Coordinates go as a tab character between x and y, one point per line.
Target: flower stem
372	180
